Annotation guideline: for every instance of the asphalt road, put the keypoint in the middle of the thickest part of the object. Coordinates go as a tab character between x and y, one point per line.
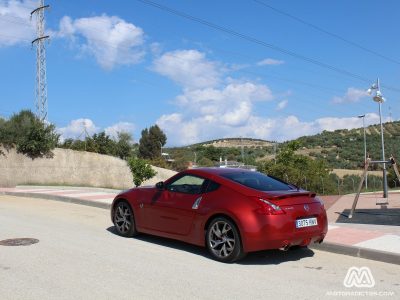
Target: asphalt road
79	257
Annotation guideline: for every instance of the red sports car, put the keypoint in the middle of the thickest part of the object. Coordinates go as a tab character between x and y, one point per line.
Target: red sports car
230	211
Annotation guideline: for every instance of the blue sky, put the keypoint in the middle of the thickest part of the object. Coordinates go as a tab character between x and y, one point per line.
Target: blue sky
124	65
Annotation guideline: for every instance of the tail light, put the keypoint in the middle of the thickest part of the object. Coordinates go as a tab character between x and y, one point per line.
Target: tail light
269	208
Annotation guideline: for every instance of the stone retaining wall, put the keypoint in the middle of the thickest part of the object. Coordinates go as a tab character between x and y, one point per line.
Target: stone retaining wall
71	168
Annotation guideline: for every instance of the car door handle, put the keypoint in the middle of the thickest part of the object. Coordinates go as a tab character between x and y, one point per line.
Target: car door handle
197	203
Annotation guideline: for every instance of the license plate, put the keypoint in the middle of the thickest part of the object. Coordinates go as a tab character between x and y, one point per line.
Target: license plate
306	222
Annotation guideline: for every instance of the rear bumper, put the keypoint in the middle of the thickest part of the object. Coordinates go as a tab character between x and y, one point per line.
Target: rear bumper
276	233
285	241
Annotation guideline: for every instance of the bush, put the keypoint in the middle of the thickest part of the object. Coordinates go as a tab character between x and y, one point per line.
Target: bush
29	135
151	142
141	170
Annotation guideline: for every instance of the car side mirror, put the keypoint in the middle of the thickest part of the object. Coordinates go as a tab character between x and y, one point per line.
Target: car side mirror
160	185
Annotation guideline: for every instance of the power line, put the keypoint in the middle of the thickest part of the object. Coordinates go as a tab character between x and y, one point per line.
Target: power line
243	71
260	42
334	35
264	75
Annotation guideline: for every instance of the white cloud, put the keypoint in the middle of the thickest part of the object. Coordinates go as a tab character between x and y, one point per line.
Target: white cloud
213	112
270	62
232	104
352	95
209	104
181	131
119	128
111	40
15	24
282	104
189	68
76	129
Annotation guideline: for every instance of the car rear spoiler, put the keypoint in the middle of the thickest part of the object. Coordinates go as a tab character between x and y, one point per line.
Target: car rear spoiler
292	195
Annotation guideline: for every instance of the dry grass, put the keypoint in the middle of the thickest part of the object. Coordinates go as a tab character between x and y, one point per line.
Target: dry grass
342	172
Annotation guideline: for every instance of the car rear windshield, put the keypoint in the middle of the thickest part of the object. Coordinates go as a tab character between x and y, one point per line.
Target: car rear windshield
258	181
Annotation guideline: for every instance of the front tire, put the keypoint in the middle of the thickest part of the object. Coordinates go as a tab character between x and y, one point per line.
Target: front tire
223	241
124	220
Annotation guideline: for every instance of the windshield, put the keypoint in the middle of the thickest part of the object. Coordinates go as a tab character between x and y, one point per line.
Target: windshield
258	181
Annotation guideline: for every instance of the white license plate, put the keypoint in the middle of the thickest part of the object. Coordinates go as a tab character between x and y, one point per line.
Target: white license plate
306	222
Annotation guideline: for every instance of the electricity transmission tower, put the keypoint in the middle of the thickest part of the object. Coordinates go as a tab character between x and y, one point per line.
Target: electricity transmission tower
41	81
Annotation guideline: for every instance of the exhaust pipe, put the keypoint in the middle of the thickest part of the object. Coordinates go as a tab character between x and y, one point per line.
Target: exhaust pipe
285	248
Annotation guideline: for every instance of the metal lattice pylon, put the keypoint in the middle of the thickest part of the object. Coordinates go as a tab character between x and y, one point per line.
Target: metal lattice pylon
41	80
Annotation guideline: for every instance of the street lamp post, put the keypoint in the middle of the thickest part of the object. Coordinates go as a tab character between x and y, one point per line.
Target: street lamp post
379	98
160	149
365	149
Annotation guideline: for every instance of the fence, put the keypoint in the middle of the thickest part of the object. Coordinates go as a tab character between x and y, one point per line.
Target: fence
333	184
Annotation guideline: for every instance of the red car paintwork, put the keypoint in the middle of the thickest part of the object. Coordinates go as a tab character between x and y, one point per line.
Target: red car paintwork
170	214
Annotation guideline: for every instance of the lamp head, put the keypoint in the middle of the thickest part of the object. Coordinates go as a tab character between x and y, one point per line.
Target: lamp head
378	97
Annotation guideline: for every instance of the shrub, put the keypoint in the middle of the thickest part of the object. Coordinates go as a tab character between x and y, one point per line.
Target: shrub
141	170
29	135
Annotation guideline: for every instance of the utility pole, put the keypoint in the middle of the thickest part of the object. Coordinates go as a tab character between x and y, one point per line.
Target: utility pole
242	152
84	131
365	150
41	81
379	99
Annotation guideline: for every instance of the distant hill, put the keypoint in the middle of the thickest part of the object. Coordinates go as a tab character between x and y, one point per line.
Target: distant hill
342	149
345	148
236	143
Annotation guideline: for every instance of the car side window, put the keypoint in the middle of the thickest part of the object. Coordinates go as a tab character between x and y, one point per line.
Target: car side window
187	184
212	186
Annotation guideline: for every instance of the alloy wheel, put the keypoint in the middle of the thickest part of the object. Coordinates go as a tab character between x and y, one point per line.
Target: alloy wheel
123	219
221	239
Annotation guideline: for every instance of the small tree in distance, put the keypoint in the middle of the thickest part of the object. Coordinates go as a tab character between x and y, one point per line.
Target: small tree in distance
123	148
151	141
29	135
141	170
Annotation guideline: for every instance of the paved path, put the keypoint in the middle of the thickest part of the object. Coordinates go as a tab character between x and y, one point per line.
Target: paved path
348	236
79	257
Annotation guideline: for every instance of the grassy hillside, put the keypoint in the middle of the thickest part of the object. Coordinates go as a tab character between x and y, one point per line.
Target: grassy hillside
341	149
344	149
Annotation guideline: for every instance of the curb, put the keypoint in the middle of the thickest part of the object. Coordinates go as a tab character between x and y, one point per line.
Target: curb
360	252
354	251
60	198
66	187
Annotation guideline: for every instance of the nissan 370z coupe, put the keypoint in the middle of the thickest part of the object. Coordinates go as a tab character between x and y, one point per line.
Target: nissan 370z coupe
230	211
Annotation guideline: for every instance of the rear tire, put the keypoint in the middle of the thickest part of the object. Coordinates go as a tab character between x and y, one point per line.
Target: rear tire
124	220
223	241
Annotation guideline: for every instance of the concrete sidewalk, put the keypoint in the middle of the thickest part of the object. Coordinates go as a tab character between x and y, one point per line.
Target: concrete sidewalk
372	233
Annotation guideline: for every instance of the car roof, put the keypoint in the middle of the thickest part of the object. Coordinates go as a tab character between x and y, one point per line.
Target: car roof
217	171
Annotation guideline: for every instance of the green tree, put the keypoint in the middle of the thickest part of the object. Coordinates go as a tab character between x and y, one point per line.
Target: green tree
29	135
141	170
206	162
103	143
299	169
180	164
123	147
151	141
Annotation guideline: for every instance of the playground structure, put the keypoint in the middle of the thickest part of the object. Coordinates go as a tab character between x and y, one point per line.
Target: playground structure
368	162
